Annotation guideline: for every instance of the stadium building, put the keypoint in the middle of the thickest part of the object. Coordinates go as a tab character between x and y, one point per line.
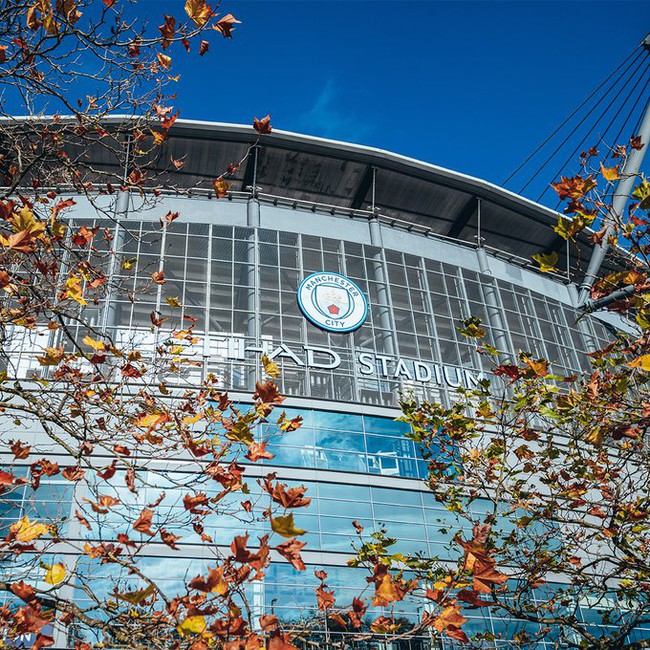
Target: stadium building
351	267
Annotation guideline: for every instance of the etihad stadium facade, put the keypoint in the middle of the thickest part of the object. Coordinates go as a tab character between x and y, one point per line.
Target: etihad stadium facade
405	250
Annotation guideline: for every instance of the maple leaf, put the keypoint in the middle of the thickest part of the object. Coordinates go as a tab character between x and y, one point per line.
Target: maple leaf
546	261
257	450
73	290
3	53
573	187
387	591
635	142
325	599
52	356
203	47
169	217
268	393
221	188
19	449
84	236
137	596
642	362
167	31
270	367
263	126
291	551
214	583
73	473
225	25
158	277
449	616
609	173
143	523
168	538
55	573
24	591
285	526
356	612
166	62
193	503
25	530
199	11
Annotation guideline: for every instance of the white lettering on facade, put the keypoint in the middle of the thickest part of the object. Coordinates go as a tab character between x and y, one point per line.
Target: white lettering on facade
368	363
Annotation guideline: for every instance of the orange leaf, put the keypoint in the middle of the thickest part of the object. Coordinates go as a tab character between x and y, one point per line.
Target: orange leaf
143	523
199	11
225	25
263	126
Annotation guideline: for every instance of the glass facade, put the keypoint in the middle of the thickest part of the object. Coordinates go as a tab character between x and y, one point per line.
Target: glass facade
237	285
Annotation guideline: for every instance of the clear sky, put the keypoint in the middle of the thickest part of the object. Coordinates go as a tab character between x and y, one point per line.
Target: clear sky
473	86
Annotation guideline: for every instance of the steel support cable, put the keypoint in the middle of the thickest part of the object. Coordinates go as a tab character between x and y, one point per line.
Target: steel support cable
572	114
581	144
582	121
635	130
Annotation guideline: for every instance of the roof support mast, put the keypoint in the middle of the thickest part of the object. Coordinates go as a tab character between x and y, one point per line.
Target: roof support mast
621	196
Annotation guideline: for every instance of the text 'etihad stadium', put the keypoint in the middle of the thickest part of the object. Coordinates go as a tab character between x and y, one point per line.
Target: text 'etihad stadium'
368	363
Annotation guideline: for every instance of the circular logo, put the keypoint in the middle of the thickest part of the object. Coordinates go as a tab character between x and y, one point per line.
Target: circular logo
332	302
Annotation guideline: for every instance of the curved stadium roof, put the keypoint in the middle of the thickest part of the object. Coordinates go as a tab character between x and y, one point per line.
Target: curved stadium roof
337	177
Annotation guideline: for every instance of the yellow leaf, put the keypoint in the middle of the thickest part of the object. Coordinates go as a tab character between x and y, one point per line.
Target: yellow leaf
52	356
609	173
198	11
642	362
151	420
73	289
164	60
127	265
55	573
135	597
285	526
192	625
546	262
96	345
27	531
173	301
270	367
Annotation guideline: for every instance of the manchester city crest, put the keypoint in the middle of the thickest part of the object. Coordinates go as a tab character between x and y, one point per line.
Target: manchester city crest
332	302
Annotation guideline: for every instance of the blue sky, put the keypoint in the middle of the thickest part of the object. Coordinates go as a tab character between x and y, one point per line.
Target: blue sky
473	86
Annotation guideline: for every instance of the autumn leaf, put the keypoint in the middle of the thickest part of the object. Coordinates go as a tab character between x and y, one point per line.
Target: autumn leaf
73	289
225	25
203	47
51	356
143	523
546	261
198	11
55	573
192	625
270	367
158	277
98	346
167	31
574	187
291	551
164	60
285	526
609	173
221	188
151	420
387	591
449	616
642	362
27	531
136	597
73	473
173	302
263	126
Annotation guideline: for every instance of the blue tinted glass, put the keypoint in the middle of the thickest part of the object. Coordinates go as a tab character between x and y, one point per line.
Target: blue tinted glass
349	509
387	426
351	492
342	461
339	440
398	513
399	446
396	496
340	421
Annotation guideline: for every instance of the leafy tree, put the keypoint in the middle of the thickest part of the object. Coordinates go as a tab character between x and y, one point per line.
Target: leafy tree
149	462
551	473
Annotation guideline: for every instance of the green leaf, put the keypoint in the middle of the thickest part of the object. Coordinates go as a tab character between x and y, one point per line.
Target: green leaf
285	526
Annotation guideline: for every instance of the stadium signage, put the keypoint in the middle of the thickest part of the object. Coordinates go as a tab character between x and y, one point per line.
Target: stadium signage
369	364
332	302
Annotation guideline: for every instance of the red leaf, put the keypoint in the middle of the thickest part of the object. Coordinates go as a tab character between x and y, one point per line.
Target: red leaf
73	473
225	25
263	126
168	538
290	551
143	523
